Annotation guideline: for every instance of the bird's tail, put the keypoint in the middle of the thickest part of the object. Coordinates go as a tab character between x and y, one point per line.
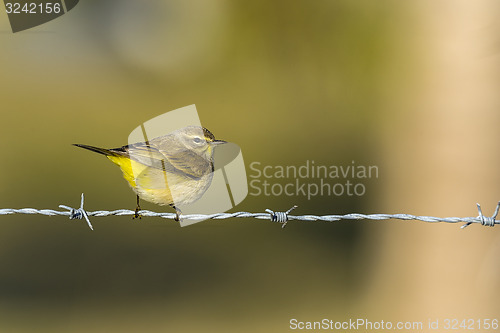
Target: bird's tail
103	151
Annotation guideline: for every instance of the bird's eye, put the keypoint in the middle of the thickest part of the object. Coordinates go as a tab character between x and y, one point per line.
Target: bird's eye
197	140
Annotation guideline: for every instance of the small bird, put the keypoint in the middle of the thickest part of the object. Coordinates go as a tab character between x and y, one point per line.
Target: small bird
175	169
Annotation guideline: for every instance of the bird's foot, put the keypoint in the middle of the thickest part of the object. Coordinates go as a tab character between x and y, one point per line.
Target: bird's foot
136	214
178	213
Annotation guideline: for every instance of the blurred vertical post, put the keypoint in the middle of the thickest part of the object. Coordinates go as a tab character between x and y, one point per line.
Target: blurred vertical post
441	159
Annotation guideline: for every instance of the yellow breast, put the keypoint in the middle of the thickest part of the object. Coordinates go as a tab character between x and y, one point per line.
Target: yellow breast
160	187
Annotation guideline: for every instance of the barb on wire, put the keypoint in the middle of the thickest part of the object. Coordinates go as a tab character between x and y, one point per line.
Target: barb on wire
78	213
485	220
279	217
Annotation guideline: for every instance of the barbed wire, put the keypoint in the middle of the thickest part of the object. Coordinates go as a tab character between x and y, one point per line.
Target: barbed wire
279	217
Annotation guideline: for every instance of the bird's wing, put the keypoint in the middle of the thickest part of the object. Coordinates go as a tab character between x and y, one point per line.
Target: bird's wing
190	163
147	154
173	158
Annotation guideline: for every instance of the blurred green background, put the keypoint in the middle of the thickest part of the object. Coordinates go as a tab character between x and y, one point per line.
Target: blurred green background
411	87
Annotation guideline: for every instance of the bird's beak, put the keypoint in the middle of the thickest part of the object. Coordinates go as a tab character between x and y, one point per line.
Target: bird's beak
218	142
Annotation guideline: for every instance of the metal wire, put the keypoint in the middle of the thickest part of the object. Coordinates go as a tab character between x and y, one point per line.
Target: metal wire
279	217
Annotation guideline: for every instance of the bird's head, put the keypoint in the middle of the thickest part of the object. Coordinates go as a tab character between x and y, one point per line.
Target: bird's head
198	140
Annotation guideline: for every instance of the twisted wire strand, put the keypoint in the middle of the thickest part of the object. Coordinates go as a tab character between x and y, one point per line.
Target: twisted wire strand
279	217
